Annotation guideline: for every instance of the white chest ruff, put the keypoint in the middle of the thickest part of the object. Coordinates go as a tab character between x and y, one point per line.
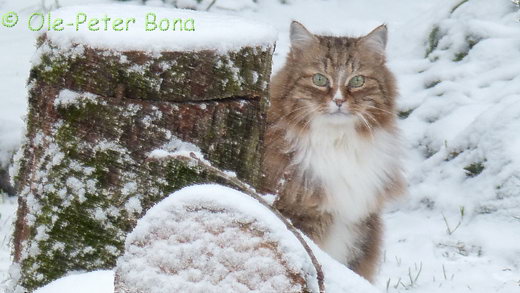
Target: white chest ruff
353	171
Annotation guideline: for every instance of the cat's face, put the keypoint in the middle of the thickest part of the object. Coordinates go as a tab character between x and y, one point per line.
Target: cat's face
339	80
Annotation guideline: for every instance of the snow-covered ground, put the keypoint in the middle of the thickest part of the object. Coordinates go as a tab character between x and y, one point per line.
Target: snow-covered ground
458	230
7	216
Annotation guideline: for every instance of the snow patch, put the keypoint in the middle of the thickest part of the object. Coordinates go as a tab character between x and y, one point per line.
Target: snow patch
210	237
68	97
176	147
97	281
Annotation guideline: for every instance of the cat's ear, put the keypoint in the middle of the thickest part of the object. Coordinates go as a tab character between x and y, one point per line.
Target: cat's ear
376	39
300	36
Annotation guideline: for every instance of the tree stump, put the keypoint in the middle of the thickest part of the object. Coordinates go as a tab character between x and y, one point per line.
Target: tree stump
213	239
98	120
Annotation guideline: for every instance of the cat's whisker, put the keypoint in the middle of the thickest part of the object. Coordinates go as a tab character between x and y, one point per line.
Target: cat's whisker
298	109
370	130
305	115
305	126
371	117
377	108
305	111
297	119
304	107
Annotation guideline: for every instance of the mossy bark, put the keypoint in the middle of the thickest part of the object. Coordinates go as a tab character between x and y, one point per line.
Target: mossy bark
85	175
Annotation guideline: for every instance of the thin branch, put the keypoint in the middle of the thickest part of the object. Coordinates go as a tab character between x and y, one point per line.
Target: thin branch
448	228
211	5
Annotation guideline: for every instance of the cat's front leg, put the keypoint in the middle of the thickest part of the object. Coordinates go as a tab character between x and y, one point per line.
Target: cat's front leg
367	262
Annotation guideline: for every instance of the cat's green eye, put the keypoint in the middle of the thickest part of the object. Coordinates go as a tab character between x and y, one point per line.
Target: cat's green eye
320	79
356	81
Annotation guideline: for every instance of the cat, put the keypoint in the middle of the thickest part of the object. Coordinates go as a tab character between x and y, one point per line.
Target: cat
332	145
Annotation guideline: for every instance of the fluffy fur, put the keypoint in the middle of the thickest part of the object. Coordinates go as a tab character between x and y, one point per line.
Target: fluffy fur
333	150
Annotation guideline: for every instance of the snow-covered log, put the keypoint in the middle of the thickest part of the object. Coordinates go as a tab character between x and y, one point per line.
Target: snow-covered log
104	109
211	238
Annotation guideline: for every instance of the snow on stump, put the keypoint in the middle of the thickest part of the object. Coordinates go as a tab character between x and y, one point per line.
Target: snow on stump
104	109
211	238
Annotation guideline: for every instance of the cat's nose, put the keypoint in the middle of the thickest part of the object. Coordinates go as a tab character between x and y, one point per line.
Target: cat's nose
339	102
338	98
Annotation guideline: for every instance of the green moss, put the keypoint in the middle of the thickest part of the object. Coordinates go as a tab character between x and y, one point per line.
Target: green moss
50	70
474	169
65	252
459	56
184	79
428	151
432	84
433	40
471	41
103	162
22	171
452	155
405	113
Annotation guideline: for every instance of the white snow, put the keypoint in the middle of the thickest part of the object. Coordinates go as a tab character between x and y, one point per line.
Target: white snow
178	148
92	282
470	115
67	97
17	46
339	278
7	218
207	235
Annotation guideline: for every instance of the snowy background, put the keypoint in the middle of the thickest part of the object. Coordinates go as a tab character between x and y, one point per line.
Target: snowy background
458	68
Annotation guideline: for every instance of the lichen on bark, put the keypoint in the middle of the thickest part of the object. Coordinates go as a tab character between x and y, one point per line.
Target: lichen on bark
168	76
85	175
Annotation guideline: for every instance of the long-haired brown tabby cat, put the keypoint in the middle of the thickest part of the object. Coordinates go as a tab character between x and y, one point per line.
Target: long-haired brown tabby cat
332	149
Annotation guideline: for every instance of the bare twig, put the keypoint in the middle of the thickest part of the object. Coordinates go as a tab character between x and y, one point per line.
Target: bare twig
413	279
211	5
397	283
448	228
